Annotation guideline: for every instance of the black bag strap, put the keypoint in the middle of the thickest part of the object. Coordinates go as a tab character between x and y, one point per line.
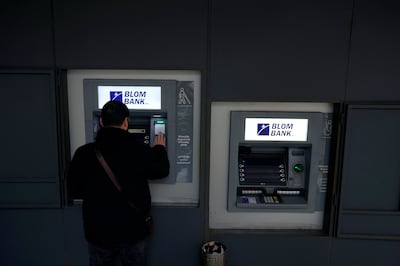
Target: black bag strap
108	170
110	174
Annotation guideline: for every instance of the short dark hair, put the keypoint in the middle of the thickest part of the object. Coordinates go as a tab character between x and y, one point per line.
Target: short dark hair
114	113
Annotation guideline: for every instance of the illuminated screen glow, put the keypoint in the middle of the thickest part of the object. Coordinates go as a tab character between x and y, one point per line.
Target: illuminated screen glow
135	97
276	129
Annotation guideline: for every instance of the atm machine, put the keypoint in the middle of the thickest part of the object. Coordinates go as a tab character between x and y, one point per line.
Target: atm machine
158	101
269	165
275	162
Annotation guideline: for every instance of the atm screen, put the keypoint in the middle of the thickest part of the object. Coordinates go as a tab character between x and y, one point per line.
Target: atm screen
276	129
262	168
134	97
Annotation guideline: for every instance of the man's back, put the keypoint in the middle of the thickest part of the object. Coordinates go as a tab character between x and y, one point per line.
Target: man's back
108	218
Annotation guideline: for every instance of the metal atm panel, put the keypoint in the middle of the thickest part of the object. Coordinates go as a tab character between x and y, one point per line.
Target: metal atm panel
145	120
180	106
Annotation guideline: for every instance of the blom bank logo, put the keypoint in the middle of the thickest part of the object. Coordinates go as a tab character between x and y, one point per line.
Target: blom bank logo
263	129
116	96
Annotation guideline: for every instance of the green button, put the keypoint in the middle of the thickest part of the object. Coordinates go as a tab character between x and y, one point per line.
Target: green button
298	168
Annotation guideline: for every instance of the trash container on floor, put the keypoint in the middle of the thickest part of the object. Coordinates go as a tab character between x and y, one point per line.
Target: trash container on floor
213	254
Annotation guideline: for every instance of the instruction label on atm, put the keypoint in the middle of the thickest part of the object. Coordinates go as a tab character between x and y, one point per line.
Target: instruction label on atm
276	129
184	131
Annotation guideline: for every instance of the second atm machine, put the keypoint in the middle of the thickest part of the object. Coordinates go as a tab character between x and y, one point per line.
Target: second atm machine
278	161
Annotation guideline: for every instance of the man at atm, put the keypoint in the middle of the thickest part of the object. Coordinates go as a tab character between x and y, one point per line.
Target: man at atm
111	176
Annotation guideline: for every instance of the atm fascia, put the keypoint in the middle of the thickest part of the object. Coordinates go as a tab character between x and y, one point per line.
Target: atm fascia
146	119
275	161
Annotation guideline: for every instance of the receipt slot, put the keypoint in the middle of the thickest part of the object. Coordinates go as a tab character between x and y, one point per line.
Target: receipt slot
275	162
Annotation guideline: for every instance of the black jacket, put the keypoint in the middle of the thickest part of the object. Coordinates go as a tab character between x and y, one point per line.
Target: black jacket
108	219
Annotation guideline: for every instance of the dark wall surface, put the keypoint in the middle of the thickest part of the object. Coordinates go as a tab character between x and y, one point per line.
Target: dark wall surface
152	34
329	51
370	193
279	50
26	29
375	54
346	252
29	175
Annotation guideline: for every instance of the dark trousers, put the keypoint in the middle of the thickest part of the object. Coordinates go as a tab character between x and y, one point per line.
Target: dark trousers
129	254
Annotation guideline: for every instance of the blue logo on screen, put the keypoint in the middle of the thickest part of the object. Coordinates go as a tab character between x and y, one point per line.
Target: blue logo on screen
116	96
263	129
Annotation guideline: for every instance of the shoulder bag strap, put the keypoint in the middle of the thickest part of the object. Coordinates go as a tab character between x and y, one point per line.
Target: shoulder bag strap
108	170
111	175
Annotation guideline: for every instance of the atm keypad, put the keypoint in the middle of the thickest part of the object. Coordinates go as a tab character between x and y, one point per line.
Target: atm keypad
257	196
271	199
